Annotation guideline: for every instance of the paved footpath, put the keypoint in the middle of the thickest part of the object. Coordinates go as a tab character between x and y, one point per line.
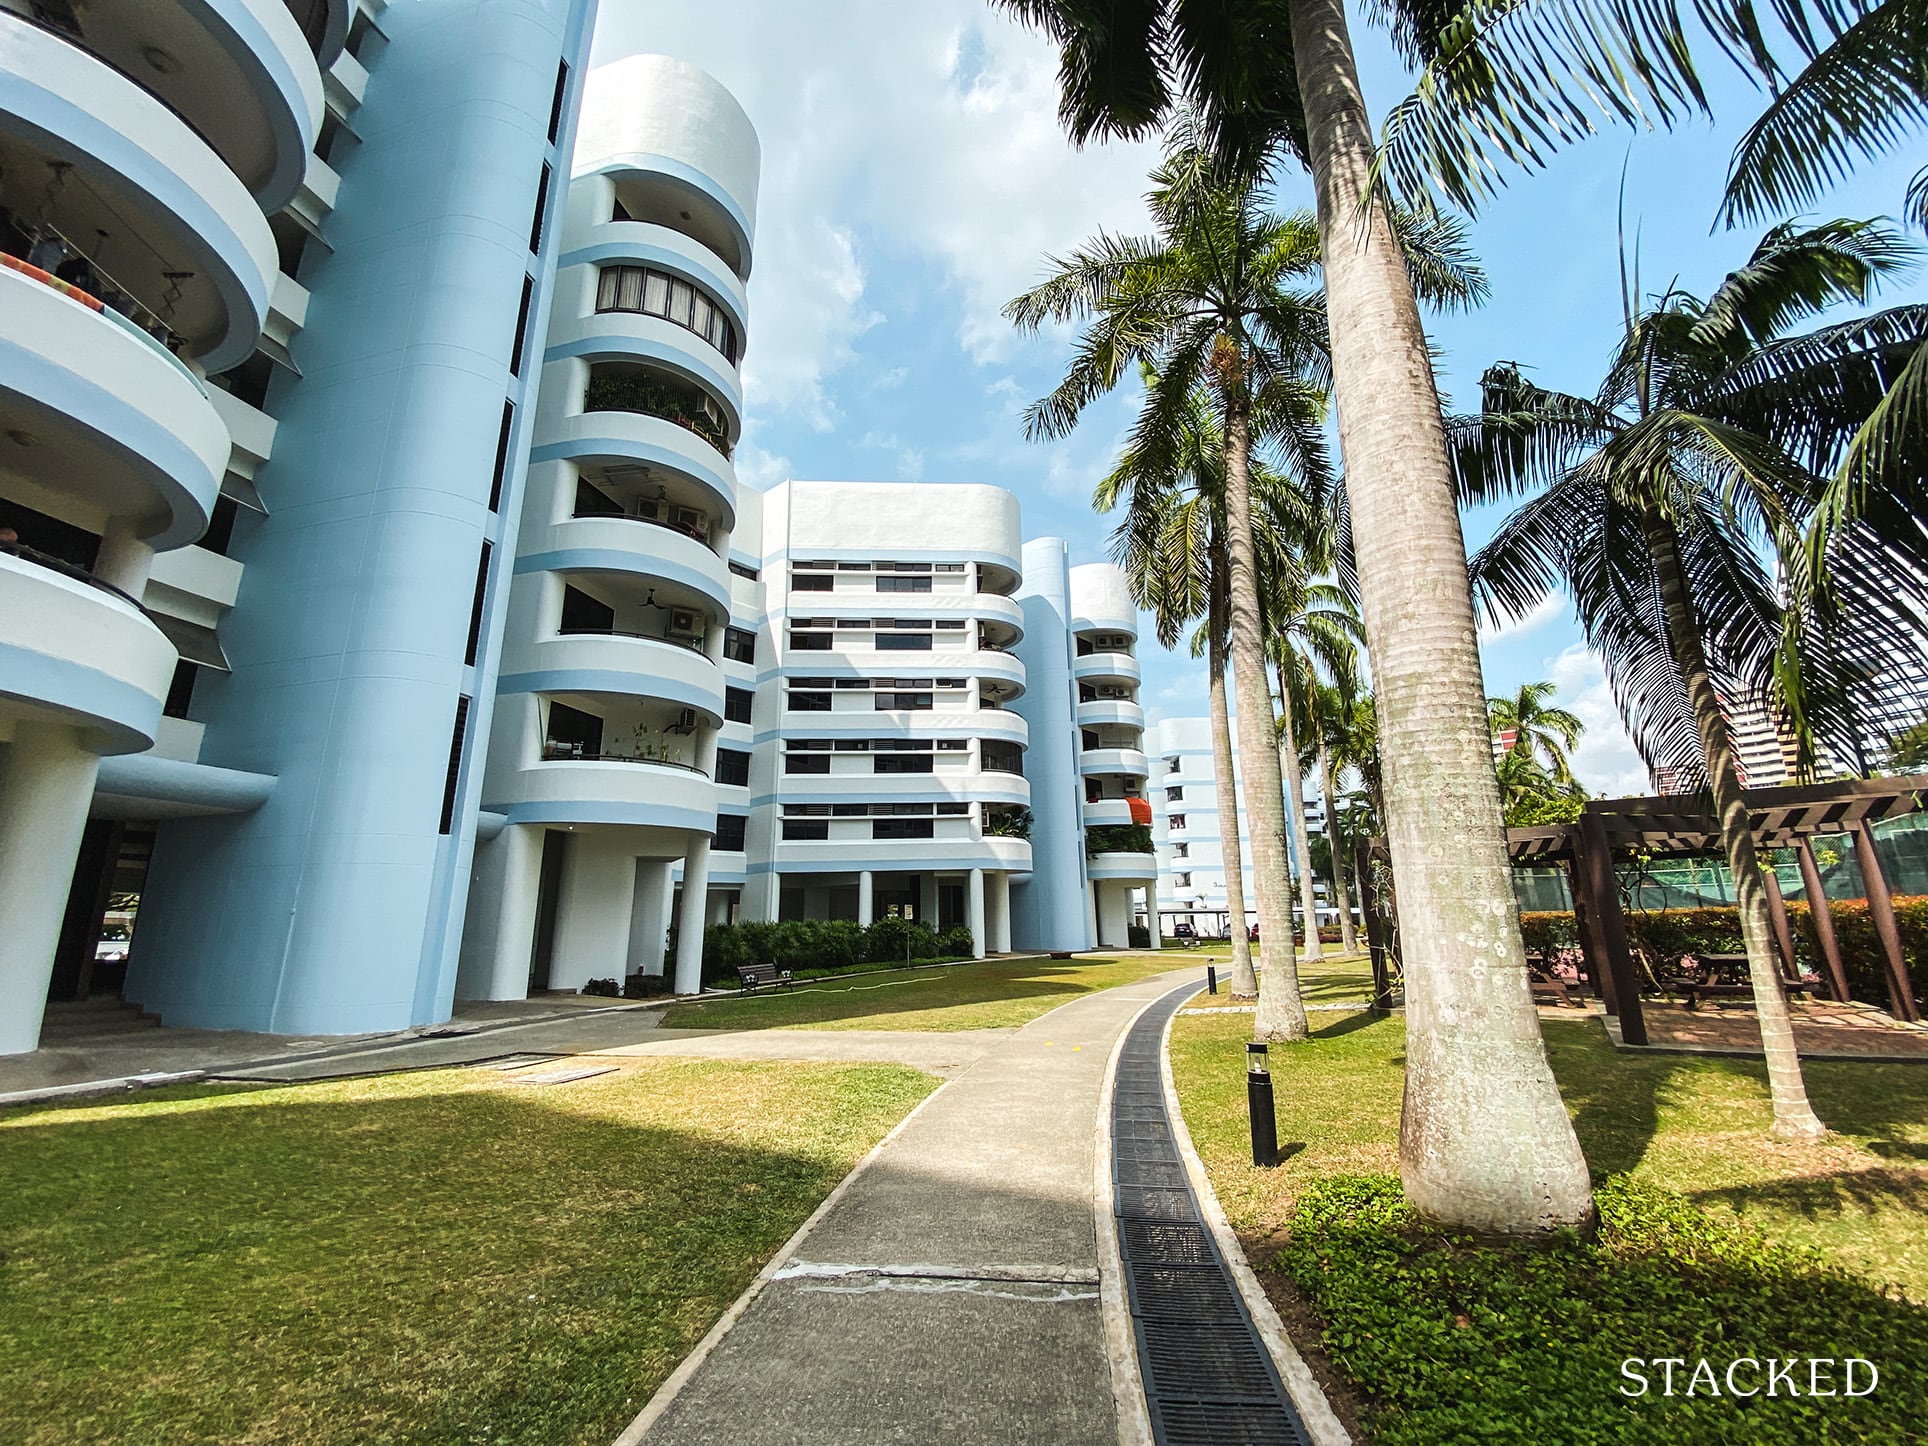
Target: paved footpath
950	1294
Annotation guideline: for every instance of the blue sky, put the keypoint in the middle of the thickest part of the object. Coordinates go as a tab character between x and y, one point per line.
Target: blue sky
914	177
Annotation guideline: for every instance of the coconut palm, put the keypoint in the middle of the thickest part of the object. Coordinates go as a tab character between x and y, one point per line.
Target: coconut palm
1542	734
1328	705
1171	545
1313	633
1485	1141
1660	505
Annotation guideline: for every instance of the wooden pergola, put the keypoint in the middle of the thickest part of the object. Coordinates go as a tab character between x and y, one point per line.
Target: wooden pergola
1685	824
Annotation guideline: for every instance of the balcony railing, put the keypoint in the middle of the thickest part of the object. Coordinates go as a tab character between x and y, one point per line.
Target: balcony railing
648	397
105	297
71	570
698	534
679	640
554	752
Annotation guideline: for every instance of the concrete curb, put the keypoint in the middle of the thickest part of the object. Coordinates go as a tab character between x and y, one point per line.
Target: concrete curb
1121	1341
665	1396
1303	1386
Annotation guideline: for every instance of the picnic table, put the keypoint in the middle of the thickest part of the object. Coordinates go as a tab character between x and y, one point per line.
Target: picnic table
1725	976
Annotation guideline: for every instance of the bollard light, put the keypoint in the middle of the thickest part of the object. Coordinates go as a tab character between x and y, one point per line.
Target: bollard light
1258	1099
1211	978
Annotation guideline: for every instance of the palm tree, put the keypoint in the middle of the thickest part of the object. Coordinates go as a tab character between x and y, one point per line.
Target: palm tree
1171	545
1542	734
1654	504
1485	1140
1313	629
1327	708
1220	300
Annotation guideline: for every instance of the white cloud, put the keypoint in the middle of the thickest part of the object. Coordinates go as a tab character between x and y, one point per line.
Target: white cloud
928	129
1552	606
759	469
1606	760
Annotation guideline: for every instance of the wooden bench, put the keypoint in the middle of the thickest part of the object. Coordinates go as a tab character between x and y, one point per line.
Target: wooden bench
1547	987
754	976
1724	976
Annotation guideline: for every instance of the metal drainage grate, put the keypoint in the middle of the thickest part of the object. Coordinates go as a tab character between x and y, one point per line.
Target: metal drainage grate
1209	1380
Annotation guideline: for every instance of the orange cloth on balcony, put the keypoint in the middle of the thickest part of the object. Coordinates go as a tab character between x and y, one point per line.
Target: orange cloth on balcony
1140	810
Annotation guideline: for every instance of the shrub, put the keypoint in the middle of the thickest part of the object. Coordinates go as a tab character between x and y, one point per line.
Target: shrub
1674	932
892	940
603	988
824	946
956	943
1450	1339
1118	838
1137	936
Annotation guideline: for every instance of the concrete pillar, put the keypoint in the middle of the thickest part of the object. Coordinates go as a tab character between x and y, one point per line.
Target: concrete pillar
760	897
974	913
866	897
649	917
124	560
1000	910
689	921
502	916
1112	904
1091	914
592	916
927	898
46	781
1152	916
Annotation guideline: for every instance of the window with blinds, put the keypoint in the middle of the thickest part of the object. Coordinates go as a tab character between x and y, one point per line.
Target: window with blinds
653	293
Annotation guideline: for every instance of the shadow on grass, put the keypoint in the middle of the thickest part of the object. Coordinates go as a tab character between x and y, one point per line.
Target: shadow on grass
1821	1196
431	1258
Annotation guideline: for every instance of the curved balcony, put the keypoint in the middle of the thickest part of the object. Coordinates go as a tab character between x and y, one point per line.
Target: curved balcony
1137	867
614	663
603	437
96	410
958	787
1107	812
627	545
1106	668
867	722
202	254
1012	855
635	336
1120	711
73	649
1094	762
324	26
636	792
643	243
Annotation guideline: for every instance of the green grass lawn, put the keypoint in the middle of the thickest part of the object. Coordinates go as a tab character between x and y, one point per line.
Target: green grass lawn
443	1256
988	995
1755	1247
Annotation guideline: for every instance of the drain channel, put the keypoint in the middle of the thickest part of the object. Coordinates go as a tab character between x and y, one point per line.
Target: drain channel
1209	1380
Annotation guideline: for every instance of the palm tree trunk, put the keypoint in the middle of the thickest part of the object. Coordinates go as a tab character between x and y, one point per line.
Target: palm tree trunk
1348	939
1245	982
1281	1016
1794	1117
1485	1142
1301	838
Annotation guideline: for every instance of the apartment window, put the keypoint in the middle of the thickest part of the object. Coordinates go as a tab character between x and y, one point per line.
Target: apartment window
180	692
739	645
732	767
522	325
813	582
542	209
799	702
729	833
743	569
794	762
555	106
1183	881
810	642
475	609
804	829
655	293
737	704
889	828
904	642
1001	756
904	584
1172	795
903	763
501	477
904	702
1177	820
1181	851
456	739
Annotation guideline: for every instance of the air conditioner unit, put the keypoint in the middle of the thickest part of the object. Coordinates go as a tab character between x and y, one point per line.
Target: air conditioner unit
691	521
683	620
650	508
685	722
1114	691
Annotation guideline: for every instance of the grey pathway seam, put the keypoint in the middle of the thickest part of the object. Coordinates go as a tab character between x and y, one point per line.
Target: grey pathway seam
1315	1411
667	1392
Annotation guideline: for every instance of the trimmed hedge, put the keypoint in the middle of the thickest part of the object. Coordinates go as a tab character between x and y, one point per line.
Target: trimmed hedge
1452	1339
1718	931
826	944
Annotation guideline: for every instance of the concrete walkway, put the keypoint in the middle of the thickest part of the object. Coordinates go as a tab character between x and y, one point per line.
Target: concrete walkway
950	1292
